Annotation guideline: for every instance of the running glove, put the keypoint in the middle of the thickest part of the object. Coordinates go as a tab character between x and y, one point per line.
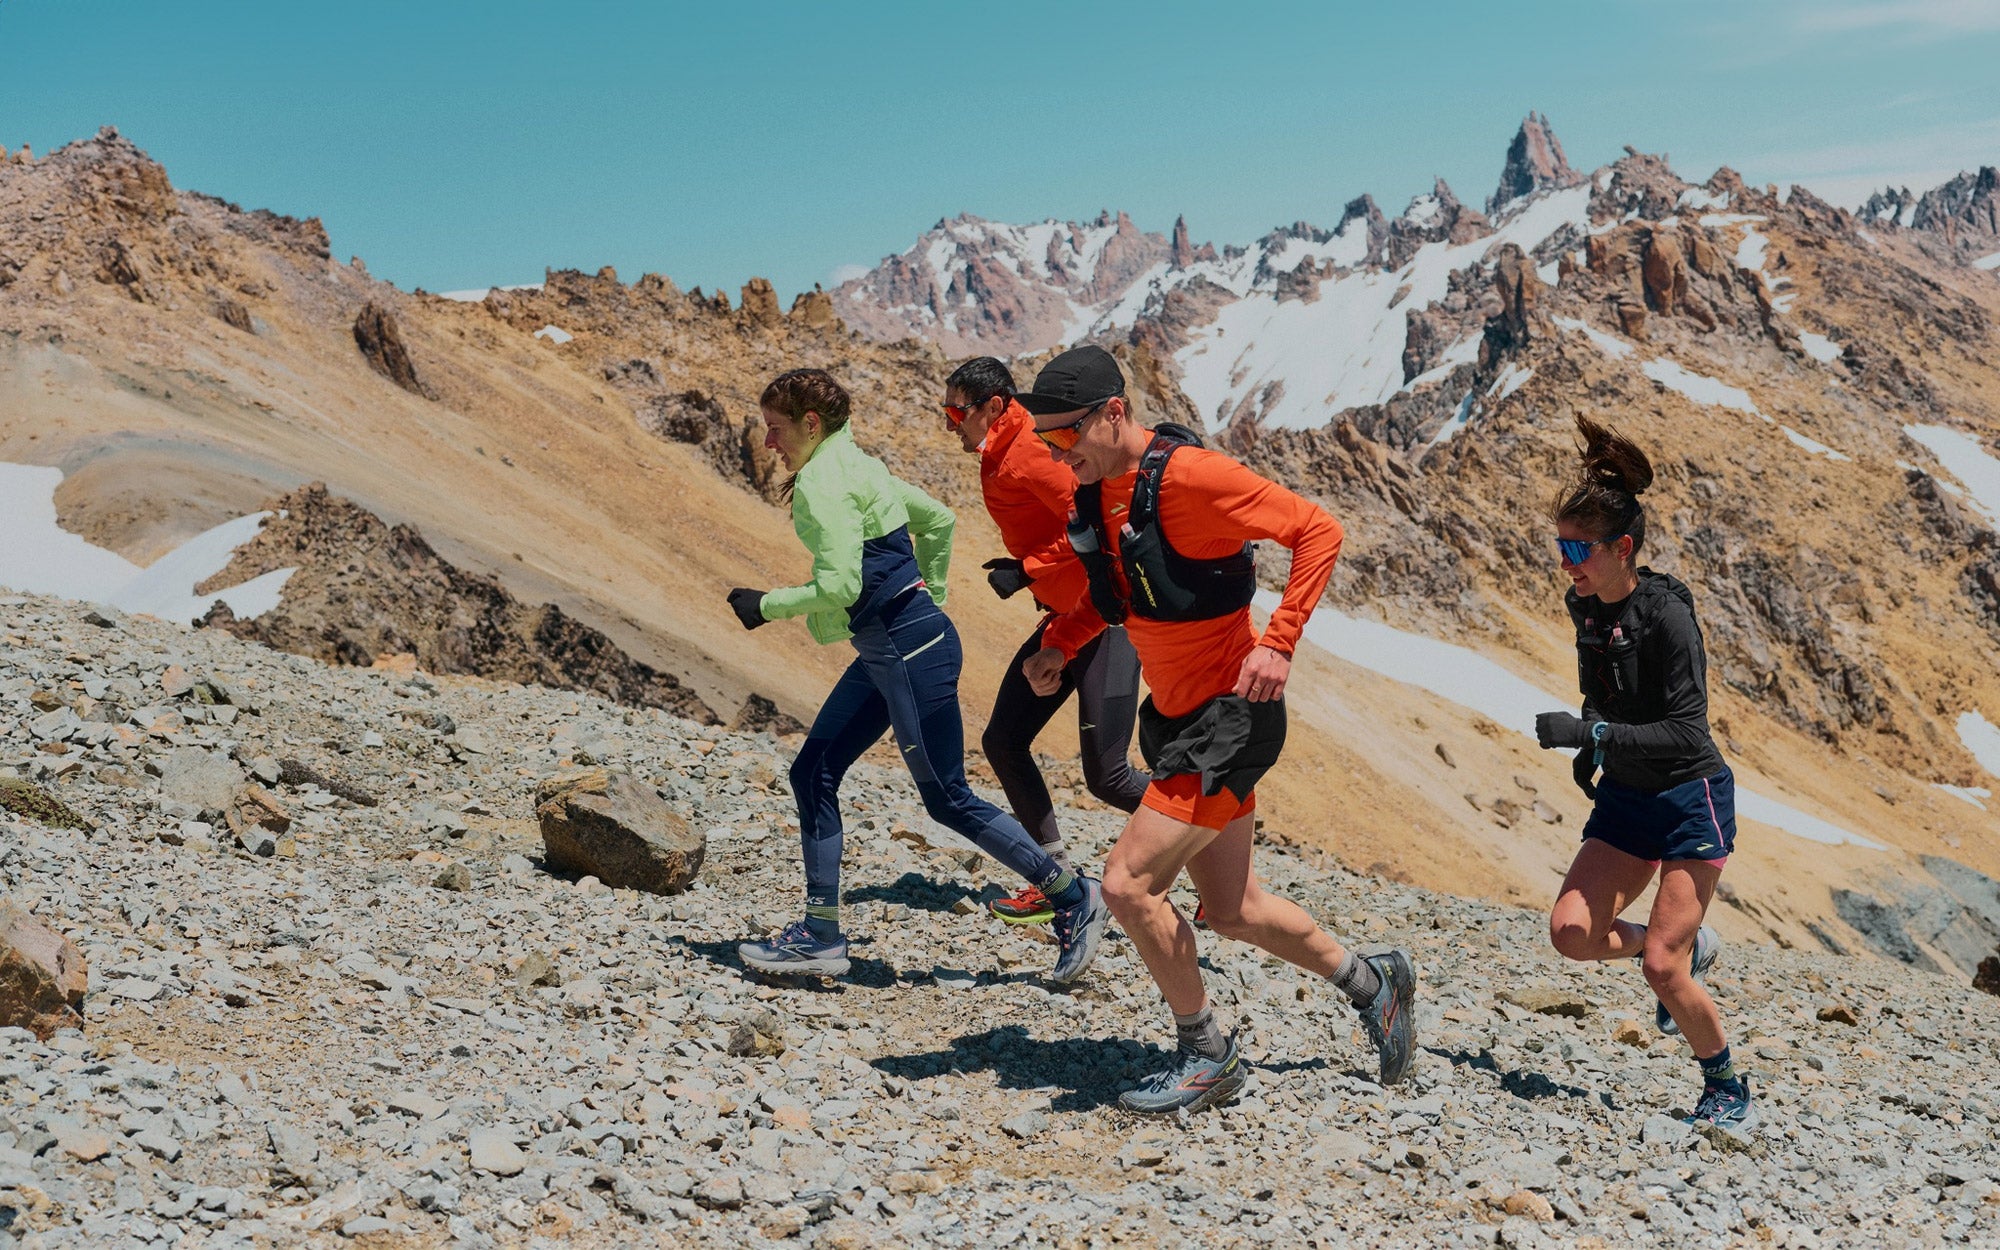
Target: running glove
748	606
1584	769
1561	729
1006	577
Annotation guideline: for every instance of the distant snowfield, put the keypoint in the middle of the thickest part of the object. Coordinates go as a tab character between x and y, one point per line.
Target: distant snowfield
474	296
1820	347
1812	445
1465	677
1963	458
1982	738
1345	348
1988	262
1699	387
40	557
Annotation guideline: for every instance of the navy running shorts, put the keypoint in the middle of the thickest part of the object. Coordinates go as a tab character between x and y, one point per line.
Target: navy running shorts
1693	820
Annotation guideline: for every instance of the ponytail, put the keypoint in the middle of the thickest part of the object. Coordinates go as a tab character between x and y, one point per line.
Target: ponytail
1604	502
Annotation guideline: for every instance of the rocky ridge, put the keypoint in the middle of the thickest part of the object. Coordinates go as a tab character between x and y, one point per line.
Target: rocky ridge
400	1025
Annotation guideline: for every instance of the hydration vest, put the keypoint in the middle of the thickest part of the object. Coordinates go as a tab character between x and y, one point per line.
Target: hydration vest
1164	585
1607	648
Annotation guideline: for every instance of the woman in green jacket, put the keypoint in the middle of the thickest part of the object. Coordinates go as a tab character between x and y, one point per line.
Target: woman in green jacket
880	549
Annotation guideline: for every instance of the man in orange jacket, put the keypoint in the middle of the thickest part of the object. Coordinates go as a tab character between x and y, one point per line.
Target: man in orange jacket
1028	495
1164	528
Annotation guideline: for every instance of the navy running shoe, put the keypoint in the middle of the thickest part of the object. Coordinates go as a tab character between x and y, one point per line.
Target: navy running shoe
1725	1105
1078	931
796	953
1391	1019
1707	945
1189	1083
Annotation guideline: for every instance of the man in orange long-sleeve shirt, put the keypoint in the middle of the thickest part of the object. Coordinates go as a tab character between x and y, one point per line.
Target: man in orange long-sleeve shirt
1028	495
1164	527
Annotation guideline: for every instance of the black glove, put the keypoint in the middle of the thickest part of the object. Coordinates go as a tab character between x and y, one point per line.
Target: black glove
1006	577
1584	768
1561	729
745	603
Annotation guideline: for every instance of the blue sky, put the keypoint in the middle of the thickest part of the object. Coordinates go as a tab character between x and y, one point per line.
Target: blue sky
453	144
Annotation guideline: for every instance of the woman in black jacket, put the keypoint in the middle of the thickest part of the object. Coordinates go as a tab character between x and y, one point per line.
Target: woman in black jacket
1666	803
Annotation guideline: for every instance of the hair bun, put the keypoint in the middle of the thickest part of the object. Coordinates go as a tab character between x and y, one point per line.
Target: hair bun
1611	460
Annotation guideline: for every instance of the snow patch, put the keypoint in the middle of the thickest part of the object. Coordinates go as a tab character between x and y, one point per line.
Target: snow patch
1963	457
1971	794
1987	262
1463	676
1699	387
1695	197
1820	347
475	295
1510	380
1458	421
554	334
1812	445
1616	348
1550	273
41	557
1982	739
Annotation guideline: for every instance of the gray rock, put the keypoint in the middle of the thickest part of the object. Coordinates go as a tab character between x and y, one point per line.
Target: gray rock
200	777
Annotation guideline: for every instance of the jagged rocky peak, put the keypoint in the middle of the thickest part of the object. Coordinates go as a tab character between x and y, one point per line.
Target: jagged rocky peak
1435	217
1966	210
1640	183
1535	162
1184	252
1891	206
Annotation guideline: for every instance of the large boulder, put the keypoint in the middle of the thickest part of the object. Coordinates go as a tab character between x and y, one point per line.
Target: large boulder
616	828
42	975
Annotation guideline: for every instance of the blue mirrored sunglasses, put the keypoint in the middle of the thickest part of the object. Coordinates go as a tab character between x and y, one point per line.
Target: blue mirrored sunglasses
1577	550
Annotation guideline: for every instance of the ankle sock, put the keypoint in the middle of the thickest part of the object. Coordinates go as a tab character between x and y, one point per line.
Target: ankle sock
1066	890
824	921
1357	979
1199	1034
1719	1069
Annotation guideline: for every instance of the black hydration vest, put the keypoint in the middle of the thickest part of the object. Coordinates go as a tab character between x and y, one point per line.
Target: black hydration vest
1608	670
1164	584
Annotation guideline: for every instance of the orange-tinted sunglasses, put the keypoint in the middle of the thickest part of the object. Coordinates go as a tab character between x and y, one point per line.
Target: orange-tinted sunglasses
1064	437
957	413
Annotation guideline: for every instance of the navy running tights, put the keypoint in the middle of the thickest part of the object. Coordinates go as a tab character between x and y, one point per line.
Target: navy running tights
904	678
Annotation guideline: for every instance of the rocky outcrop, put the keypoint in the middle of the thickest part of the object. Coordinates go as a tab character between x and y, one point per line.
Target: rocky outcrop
1964	212
760	304
1535	162
43	976
381	344
618	829
1184	253
365	589
1434	218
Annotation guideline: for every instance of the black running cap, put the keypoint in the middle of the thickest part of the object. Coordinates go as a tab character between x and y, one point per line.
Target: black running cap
1082	377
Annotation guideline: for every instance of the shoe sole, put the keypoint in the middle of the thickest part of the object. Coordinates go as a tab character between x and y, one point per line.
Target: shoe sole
1662	1019
1093	935
1047	917
796	968
1220	1092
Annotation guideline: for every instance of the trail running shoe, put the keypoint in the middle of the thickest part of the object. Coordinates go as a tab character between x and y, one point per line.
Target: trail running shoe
1030	906
1078	930
796	953
1190	1082
1707	945
1725	1107
1391	1019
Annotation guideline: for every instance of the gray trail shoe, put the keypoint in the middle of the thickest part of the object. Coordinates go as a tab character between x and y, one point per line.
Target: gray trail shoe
1726	1107
1078	931
1707	945
1190	1082
1391	1019
796	953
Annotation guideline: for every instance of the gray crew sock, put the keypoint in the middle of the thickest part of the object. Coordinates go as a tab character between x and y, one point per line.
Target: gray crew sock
1199	1034
1058	852
1357	979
